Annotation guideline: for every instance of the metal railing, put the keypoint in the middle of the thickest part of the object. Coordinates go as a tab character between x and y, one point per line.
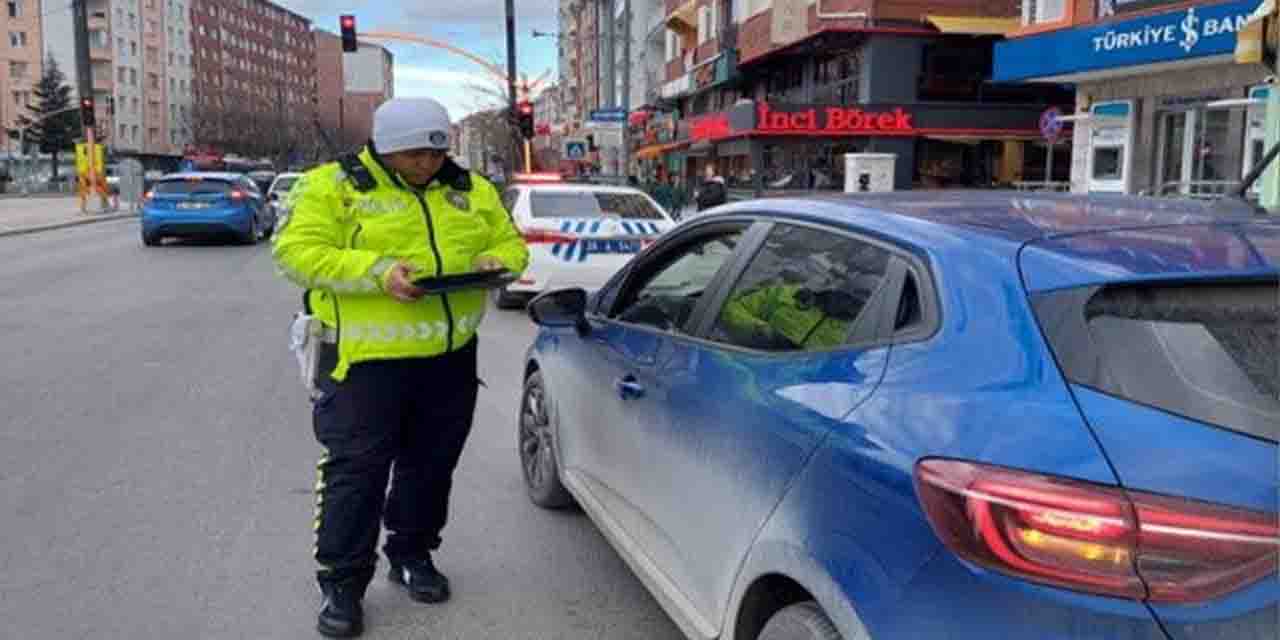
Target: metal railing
1198	189
1040	185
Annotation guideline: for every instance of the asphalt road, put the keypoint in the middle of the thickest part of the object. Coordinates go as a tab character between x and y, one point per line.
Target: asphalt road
157	463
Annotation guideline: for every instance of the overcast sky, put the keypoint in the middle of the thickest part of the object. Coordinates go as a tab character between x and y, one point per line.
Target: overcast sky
477	26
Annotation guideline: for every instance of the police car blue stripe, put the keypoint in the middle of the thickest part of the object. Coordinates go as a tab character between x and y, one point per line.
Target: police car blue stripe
595	227
568	252
655	227
626	226
564	226
582	226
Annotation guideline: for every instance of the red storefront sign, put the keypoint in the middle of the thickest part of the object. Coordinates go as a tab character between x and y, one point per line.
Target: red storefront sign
710	127
834	120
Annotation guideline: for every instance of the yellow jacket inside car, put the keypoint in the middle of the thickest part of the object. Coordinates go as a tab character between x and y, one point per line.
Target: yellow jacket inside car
339	242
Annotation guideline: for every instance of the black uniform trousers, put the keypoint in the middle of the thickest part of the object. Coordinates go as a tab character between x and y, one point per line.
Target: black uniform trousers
405	418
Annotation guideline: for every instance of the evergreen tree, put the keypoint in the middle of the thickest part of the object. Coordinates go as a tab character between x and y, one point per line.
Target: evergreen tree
54	125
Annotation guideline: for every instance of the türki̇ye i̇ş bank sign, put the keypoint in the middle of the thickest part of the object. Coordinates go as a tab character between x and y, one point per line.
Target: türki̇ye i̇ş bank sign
771	119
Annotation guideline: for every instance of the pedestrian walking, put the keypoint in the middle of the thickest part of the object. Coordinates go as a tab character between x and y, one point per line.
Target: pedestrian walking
713	191
395	385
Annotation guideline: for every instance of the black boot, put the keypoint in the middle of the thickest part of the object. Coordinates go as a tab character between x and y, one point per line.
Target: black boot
342	615
421	579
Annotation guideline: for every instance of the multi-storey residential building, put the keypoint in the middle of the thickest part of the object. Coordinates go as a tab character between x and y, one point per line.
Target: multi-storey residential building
353	86
140	68
776	93
1161	107
22	62
580	37
254	75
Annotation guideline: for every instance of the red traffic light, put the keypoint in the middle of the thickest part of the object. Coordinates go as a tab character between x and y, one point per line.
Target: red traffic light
348	24
525	107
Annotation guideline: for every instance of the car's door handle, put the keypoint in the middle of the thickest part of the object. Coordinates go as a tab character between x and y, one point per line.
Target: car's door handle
628	387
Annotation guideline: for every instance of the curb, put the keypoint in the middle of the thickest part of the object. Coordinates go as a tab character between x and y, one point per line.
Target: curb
93	218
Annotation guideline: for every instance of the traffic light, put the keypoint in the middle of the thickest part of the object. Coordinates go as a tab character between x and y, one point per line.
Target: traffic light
86	112
524	118
348	24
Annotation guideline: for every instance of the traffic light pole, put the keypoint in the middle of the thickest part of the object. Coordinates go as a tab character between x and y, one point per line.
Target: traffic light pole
84	85
511	81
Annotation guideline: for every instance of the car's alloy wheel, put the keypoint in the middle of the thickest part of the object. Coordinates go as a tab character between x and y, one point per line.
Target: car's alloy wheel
537	456
800	621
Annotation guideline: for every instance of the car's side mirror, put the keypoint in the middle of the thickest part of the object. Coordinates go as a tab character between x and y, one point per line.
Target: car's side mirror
561	308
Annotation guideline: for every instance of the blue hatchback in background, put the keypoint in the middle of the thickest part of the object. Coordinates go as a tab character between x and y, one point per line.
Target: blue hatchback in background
205	203
929	415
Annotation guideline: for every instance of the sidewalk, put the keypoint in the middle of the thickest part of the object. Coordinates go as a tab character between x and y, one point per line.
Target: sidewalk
28	215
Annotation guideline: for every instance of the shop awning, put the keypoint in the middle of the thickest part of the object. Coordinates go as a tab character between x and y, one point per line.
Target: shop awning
684	18
974	26
1252	38
655	150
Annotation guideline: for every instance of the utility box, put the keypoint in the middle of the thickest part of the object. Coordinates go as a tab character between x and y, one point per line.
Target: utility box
868	172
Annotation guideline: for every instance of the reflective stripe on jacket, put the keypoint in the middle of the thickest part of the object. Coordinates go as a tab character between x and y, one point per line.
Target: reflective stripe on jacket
337	241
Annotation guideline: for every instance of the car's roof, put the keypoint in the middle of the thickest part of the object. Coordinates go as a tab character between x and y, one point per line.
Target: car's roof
1019	216
570	187
212	175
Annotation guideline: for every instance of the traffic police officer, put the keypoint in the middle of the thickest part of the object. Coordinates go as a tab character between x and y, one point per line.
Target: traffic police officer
398	379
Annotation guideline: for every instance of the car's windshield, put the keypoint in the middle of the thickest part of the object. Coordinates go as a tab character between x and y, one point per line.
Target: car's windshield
593	204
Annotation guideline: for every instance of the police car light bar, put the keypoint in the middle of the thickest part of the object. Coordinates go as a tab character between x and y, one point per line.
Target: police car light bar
538	177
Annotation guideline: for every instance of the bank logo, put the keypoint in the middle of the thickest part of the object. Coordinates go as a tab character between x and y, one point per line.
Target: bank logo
1190	34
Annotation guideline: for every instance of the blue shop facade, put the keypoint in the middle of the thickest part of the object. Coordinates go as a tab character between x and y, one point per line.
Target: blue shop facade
1161	105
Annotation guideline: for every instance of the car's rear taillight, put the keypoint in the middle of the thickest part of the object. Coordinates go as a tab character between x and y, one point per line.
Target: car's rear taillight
1094	538
237	195
539	236
146	197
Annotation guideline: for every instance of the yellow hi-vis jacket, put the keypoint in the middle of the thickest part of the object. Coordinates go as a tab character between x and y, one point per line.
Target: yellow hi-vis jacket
339	242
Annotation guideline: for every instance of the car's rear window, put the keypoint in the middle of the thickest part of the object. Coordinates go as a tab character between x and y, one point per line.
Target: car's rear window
203	186
1203	351
592	204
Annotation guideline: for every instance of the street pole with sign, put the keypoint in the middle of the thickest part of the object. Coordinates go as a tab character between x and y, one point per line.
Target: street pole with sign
1050	128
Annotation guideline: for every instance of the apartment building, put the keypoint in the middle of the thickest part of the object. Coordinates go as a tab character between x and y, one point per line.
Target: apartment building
254	73
140	66
1161	106
774	93
22	62
352	88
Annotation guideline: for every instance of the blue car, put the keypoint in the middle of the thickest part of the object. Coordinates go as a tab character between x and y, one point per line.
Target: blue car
928	415
203	204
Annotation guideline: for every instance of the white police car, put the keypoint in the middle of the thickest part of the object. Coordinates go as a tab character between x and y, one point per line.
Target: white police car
579	235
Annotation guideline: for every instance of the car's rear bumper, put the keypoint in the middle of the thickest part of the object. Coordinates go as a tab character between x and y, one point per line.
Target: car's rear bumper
169	223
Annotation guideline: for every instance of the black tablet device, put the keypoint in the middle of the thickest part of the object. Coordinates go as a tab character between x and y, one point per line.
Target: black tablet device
474	280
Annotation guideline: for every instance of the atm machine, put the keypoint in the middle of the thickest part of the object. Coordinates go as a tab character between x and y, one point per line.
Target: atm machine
1255	133
1111	146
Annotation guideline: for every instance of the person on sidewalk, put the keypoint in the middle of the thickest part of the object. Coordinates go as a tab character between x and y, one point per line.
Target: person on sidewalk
713	192
397	381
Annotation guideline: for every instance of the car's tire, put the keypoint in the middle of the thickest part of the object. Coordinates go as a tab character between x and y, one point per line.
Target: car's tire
254	233
504	299
800	621
150	239
534	430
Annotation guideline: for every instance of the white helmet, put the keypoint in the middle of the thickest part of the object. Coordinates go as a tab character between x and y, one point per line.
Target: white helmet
403	124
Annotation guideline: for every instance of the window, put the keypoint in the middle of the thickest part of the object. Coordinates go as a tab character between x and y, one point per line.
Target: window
665	296
123	50
589	204
133	77
15	8
123	75
18	70
1204	351
807	289
704	24
133	48
1042	11
18	39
